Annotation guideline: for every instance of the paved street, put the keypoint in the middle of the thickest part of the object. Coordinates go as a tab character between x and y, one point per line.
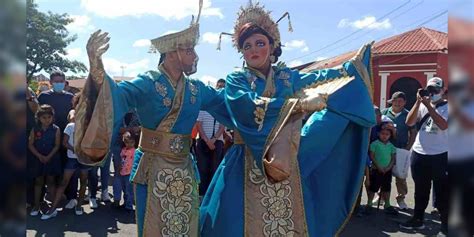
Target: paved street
106	221
380	224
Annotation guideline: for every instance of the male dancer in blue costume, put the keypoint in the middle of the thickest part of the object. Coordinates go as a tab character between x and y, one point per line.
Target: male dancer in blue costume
167	102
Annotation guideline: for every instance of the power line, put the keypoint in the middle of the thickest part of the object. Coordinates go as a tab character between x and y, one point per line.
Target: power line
395	17
354	32
431	18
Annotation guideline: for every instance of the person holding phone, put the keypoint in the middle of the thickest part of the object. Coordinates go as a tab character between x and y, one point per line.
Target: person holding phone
429	152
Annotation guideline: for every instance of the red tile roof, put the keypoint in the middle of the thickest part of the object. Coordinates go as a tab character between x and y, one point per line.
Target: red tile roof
417	40
328	63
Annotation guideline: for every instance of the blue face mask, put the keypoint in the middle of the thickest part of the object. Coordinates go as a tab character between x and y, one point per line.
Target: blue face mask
58	86
436	97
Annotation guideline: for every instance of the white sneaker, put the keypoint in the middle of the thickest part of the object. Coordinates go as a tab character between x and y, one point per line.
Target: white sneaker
376	199
34	212
50	215
105	197
93	203
71	204
402	205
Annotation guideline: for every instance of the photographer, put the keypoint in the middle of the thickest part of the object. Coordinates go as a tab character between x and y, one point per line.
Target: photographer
429	152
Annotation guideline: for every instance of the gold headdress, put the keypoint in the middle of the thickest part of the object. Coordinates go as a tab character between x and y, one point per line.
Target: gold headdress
256	14
183	39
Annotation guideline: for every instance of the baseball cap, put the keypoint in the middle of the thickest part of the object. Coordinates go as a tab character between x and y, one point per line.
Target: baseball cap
435	82
398	94
386	119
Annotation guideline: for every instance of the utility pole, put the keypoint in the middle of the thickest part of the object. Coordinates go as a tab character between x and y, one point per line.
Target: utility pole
123	68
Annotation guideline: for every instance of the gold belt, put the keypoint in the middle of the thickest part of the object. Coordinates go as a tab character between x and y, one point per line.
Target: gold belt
237	138
163	143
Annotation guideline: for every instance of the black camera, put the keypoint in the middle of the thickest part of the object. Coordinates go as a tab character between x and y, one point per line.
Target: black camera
424	92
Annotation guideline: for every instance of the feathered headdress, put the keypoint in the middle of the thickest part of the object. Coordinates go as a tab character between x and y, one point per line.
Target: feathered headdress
256	14
184	39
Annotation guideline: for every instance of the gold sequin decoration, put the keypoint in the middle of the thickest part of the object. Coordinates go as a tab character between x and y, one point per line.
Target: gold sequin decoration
161	89
167	102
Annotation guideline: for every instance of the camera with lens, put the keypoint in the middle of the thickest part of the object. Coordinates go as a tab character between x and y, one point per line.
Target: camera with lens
424	92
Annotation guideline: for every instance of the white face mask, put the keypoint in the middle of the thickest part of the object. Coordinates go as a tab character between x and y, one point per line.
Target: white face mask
194	68
436	97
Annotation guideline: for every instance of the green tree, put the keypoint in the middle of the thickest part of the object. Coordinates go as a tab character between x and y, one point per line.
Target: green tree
46	42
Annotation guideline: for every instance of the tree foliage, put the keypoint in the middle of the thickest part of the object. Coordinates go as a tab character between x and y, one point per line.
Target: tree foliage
46	42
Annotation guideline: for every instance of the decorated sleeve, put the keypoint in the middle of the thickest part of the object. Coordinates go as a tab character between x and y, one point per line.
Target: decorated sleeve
352	100
258	119
99	115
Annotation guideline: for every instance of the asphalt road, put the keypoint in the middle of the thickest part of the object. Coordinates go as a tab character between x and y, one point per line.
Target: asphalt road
107	221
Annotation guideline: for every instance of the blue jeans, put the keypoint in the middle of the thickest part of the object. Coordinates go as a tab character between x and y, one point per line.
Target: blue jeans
104	174
123	186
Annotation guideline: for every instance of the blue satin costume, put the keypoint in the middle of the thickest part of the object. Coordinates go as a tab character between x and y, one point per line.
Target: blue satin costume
331	155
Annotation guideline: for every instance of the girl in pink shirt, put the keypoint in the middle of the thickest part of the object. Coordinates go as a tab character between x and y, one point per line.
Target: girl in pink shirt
123	174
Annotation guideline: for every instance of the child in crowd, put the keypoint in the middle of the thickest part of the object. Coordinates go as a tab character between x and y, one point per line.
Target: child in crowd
123	173
44	142
72	165
382	154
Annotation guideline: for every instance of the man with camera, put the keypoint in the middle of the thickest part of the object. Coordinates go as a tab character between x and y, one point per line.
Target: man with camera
429	152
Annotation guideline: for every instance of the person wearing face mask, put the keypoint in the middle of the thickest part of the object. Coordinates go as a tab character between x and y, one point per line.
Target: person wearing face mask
167	102
282	177
430	153
58	98
61	101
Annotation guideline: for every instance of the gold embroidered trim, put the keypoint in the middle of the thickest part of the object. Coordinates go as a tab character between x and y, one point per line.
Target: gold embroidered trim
272	209
166	144
173	187
261	106
326	86
168	122
173	84
276	201
362	70
194	91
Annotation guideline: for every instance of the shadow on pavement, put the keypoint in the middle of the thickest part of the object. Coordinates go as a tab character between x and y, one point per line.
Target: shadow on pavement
102	221
379	224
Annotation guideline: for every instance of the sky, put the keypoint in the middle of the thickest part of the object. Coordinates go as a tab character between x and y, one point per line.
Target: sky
321	28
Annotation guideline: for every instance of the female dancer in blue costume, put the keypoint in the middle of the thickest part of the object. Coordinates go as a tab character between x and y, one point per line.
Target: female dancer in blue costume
283	177
168	103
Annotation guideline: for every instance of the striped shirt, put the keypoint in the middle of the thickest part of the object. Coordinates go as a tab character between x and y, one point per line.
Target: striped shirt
209	124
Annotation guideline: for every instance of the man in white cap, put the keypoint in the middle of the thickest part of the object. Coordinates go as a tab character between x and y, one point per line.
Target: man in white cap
430	152
167	103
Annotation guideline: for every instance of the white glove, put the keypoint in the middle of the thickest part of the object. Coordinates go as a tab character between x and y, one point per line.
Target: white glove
313	102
